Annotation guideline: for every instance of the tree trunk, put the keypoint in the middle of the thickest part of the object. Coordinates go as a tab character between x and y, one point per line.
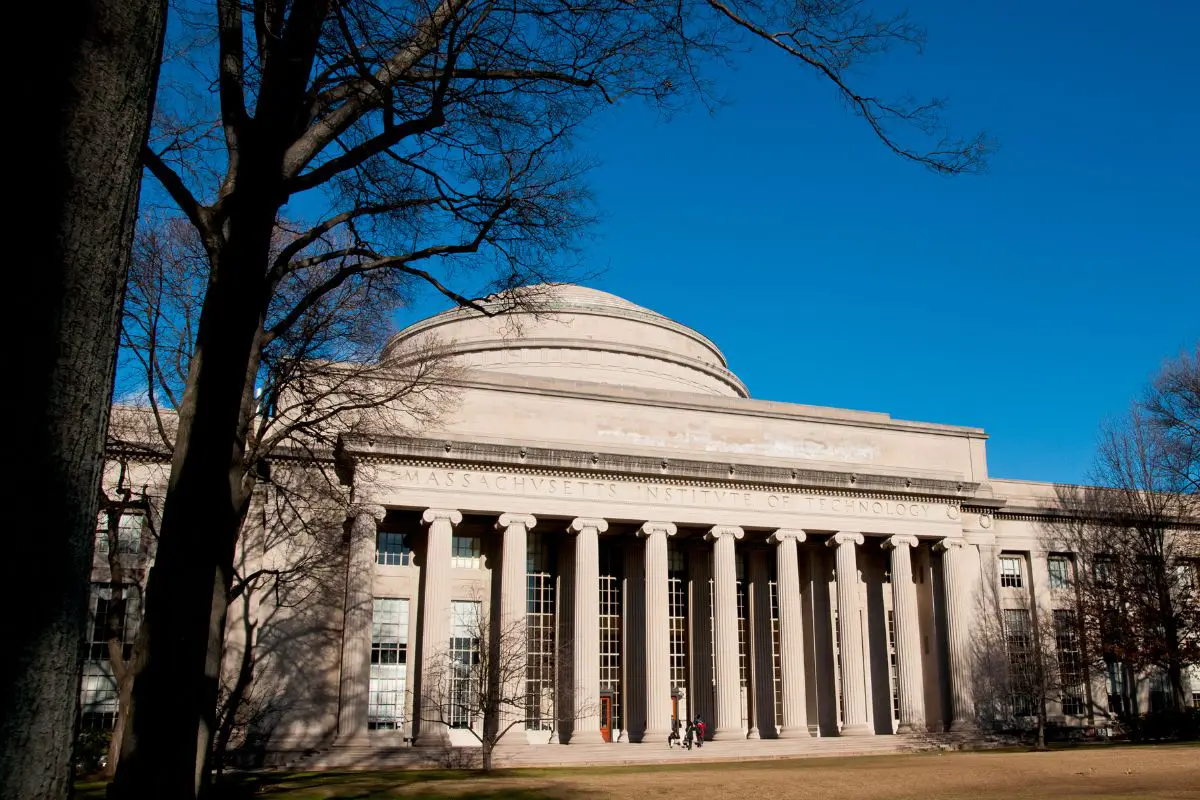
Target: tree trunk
172	721
98	69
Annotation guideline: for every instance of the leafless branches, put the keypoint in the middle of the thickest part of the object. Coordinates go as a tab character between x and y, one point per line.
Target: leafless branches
1137	534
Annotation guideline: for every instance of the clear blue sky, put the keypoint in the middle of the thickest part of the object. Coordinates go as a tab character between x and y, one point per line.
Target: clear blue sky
1032	301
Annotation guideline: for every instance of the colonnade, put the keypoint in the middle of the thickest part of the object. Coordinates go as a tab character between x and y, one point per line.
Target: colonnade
655	630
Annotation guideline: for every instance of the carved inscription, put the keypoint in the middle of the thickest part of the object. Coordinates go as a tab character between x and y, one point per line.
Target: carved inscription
660	494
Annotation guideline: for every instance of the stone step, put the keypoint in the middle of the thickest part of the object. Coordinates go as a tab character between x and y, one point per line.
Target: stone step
615	754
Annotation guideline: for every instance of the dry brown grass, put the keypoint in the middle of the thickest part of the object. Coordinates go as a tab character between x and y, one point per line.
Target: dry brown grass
1166	772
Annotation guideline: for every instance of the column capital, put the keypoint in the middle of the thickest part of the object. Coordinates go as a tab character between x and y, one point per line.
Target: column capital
579	524
432	515
505	520
892	542
784	534
368	509
651	528
717	531
845	537
945	545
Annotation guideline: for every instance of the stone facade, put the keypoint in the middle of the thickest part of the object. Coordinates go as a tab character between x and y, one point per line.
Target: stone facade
676	549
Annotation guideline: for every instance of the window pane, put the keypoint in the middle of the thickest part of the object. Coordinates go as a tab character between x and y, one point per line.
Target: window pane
389	651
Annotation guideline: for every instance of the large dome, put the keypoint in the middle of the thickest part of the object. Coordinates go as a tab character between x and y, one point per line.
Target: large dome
574	333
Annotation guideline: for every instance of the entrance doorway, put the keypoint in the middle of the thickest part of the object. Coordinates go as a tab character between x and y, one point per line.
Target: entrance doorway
606	717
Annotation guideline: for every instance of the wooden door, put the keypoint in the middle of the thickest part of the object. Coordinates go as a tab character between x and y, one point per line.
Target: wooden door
606	717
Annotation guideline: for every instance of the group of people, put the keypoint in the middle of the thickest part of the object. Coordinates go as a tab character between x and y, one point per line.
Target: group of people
693	732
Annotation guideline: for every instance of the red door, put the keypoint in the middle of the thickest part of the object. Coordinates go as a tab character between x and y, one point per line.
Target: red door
606	718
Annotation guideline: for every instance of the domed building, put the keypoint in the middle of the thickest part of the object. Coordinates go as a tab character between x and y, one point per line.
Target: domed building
659	547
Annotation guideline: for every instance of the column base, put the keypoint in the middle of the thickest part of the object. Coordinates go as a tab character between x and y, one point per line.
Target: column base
802	732
753	734
587	737
858	729
914	727
962	726
657	736
352	739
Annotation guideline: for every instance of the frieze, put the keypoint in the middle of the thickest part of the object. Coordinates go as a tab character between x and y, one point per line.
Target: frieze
650	493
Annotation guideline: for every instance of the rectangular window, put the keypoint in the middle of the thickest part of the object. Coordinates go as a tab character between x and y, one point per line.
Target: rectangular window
465	552
743	639
1160	691
677	610
539	619
1118	697
1195	699
1070	661
894	665
1060	572
1010	572
129	533
610	632
389	657
1018	635
776	656
465	617
392	549
109	620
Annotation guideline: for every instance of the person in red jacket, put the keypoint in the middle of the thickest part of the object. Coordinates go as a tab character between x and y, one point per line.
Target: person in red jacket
701	730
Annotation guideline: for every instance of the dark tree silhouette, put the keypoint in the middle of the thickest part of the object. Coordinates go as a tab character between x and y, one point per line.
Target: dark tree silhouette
90	105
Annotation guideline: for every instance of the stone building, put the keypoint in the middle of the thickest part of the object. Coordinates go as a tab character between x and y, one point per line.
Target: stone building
674	547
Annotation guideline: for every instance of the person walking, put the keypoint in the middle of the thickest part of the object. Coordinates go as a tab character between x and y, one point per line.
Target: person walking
701	730
673	736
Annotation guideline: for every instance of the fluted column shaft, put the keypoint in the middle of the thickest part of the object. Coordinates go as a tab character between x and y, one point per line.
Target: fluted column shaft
854	667
356	629
725	631
794	724
907	635
435	614
958	634
587	629
513	612
658	630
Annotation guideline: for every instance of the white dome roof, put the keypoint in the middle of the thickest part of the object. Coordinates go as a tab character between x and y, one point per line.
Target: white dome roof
569	332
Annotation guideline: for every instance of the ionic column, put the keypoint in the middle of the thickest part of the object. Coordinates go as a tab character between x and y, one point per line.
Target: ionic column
513	589
854	667
908	635
794	724
658	630
587	628
435	614
356	628
725	631
955	570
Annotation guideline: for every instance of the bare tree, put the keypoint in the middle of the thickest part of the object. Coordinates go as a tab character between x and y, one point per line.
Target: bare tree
1025	661
1137	533
329	376
478	682
90	106
432	143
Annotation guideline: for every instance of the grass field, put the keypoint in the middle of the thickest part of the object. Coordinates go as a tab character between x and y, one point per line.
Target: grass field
1166	772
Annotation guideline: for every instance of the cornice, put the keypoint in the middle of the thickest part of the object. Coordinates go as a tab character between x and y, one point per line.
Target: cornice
440	453
690	401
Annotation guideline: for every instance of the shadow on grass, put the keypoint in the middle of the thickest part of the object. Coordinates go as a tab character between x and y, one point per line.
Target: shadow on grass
410	784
